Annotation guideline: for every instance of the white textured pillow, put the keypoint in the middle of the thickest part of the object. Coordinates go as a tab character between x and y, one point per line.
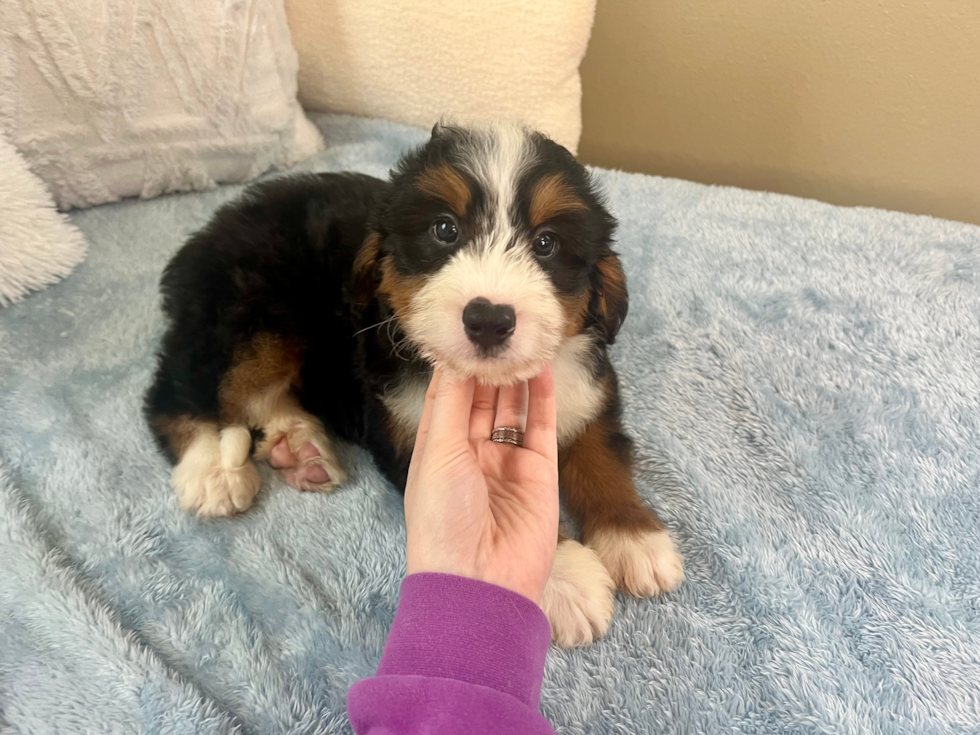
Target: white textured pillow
416	61
38	245
114	98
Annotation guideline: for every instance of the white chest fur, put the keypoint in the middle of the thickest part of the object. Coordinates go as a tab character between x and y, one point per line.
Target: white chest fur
578	397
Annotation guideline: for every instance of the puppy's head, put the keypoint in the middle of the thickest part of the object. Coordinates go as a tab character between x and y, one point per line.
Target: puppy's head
493	249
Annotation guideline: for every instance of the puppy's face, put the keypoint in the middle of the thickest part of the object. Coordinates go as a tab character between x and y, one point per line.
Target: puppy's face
493	249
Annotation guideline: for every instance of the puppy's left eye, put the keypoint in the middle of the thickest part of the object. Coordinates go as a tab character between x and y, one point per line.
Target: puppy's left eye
545	244
445	230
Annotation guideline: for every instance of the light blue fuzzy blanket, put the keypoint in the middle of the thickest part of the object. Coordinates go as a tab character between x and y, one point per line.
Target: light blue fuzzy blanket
803	382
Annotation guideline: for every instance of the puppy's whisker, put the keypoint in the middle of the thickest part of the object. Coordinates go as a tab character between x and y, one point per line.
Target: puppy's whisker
398	351
392	340
397	344
374	326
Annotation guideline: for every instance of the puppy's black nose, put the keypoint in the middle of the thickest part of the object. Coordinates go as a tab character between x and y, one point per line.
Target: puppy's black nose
488	325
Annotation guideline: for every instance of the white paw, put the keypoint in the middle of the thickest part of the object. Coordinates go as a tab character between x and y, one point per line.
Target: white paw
643	564
302	452
215	477
578	597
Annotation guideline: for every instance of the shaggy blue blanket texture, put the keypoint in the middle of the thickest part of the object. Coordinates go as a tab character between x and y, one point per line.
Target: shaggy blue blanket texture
802	380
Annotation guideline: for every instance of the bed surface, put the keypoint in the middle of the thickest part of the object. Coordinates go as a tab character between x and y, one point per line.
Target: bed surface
802	381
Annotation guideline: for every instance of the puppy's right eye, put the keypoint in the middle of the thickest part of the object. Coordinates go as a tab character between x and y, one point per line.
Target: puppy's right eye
445	230
545	244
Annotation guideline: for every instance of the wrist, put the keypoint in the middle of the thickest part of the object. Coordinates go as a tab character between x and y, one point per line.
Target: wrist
532	592
459	628
508	580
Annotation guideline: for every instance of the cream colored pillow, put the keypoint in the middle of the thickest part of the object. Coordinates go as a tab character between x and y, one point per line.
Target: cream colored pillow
416	61
107	99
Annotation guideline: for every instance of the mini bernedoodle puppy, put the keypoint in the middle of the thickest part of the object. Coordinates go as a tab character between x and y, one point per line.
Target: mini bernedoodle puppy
320	302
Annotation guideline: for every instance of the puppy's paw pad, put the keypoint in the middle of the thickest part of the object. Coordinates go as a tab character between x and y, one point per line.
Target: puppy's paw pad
312	473
578	597
307	461
643	564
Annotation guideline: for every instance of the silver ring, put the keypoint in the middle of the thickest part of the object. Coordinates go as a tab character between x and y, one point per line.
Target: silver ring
507	435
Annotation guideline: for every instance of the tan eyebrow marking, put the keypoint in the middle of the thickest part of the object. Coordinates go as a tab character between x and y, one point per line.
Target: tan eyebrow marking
444	183
550	197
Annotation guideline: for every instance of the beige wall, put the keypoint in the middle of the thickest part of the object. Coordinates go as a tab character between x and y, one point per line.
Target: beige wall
868	102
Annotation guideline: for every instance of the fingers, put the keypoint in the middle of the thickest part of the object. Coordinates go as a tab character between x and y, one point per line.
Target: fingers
455	410
484	411
540	435
430	397
449	422
511	407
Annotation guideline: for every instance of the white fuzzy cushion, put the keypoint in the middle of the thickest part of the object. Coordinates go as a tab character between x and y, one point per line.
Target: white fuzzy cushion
38	245
114	98
416	61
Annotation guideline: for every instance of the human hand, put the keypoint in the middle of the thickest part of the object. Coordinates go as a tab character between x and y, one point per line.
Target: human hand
480	509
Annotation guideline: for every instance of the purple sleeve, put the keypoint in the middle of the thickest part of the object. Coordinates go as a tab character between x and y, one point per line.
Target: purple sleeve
462	657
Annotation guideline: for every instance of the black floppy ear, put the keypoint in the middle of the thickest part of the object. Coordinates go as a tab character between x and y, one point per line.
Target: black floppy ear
610	300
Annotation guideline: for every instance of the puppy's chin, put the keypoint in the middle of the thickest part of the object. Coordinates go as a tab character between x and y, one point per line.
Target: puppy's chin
491	370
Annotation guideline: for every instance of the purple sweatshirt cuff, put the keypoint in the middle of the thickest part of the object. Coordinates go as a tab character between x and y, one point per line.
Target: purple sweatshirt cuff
456	628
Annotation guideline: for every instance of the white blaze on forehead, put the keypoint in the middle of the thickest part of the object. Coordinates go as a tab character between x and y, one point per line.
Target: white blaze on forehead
500	154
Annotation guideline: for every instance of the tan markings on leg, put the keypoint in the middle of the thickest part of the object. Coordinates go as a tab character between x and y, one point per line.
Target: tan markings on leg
578	596
266	367
179	431
442	182
258	391
215	476
550	197
398	290
597	485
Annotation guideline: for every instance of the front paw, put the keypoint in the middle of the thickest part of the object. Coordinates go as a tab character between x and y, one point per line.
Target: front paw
643	563
578	597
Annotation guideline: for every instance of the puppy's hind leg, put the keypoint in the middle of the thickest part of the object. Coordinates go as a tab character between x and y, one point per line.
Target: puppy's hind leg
259	390
296	444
